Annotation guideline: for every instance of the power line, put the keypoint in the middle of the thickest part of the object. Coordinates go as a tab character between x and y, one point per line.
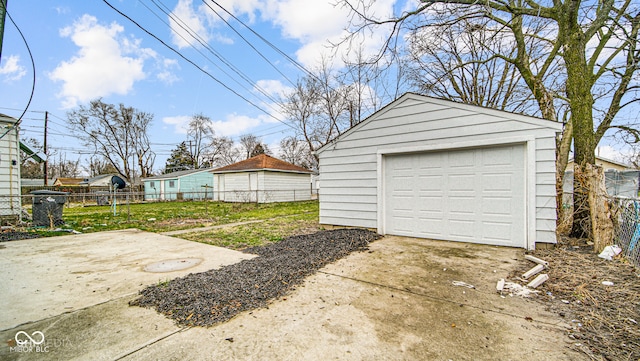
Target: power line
33	83
195	65
198	38
246	41
293	61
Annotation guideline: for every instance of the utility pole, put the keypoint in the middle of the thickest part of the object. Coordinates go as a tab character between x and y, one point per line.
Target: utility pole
3	15
46	154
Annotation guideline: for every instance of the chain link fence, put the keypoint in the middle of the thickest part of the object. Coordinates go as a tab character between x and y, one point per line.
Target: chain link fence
615	195
14	209
625	213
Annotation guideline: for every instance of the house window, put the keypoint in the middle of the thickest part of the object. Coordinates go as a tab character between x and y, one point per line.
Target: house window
172	184
151	185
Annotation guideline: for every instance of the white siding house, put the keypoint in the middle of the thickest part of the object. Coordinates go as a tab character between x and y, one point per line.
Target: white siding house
262	179
431	168
10	204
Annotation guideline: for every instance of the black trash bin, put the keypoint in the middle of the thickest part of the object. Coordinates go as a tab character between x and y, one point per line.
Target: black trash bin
47	207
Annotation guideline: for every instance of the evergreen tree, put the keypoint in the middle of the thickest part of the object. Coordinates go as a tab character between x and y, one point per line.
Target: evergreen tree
180	159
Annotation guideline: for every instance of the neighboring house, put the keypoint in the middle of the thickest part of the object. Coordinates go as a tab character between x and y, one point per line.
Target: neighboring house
186	184
432	168
262	179
101	182
605	163
620	180
10	203
34	182
68	182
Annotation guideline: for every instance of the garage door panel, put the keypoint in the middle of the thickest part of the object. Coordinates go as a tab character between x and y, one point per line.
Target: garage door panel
431	204
461	160
461	182
496	232
497	157
462	228
430	182
497	206
473	195
461	205
497	182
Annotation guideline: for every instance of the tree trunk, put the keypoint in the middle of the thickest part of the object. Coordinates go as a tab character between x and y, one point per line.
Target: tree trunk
601	224
579	84
563	146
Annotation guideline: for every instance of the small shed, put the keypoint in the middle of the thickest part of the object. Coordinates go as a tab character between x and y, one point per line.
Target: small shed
186	184
431	168
10	203
262	179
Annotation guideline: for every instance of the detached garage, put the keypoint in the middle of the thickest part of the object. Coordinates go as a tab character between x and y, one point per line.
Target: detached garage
262	179
431	168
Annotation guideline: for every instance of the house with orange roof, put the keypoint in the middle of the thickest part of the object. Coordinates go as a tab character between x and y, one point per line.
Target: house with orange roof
262	179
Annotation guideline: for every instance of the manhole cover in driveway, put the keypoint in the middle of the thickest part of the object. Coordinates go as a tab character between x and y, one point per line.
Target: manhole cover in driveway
171	265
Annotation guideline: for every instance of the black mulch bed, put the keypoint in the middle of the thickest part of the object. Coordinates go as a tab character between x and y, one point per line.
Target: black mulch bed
15	236
203	299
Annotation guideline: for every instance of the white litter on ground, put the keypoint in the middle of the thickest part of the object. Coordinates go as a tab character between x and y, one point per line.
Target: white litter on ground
463	284
515	289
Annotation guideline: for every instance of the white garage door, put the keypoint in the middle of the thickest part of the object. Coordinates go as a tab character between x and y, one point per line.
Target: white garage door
473	195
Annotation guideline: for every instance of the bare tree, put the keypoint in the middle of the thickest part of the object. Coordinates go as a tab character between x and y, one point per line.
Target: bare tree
597	44
222	151
319	109
248	144
458	62
199	136
97	166
296	151
62	167
119	134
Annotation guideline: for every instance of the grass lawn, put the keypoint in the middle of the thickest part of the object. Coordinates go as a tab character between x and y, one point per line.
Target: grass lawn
169	216
258	234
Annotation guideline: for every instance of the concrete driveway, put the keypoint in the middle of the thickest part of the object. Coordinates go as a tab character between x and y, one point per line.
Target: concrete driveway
395	302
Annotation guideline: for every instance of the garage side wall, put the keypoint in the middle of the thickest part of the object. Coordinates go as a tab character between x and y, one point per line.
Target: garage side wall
284	187
349	167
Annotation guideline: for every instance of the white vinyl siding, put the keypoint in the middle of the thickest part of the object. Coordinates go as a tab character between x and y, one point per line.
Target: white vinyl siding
285	187
10	204
349	167
263	186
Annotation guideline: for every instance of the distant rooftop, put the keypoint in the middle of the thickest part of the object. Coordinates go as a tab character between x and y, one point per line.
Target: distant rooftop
262	162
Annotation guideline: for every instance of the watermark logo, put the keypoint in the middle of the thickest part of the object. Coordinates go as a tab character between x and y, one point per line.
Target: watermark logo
33	342
29	339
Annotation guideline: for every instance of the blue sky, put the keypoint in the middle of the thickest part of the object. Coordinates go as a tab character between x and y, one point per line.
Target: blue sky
84	50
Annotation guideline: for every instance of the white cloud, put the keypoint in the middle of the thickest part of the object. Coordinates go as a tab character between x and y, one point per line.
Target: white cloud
165	74
189	24
312	23
316	25
273	87
101	67
235	125
11	70
180	123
